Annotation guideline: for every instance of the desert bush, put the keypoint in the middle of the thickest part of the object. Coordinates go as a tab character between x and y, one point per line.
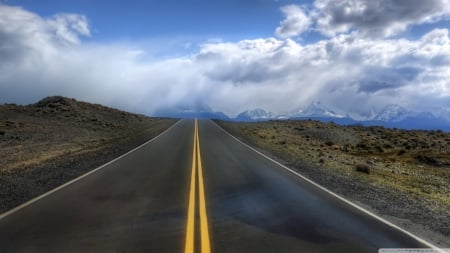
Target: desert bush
428	160
387	146
347	147
362	167
401	152
379	149
361	145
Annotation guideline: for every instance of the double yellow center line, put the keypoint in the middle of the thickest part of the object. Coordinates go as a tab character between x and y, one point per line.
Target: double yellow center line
190	229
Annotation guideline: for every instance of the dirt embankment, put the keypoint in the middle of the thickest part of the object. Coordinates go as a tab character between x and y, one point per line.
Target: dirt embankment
403	176
57	139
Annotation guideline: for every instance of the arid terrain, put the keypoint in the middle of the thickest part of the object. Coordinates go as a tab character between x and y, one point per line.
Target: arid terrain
402	175
57	139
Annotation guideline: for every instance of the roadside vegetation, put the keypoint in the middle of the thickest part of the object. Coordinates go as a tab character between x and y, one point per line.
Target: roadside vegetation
46	144
403	175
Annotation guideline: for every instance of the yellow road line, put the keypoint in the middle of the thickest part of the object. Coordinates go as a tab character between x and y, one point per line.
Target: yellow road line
203	216
190	228
189	247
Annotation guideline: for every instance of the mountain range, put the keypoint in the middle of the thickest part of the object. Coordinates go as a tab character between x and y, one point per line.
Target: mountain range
392	116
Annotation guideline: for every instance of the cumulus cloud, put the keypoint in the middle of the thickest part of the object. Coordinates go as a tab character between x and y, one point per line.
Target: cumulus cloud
295	23
376	18
350	73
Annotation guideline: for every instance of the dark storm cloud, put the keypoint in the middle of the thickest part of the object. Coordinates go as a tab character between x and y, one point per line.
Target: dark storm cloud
379	78
376	18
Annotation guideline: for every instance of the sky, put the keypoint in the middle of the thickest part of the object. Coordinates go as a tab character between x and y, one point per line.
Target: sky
355	56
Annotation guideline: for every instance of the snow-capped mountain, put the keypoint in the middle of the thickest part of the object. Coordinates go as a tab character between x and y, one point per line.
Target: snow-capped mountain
441	112
397	116
255	115
393	113
397	113
316	109
362	116
390	116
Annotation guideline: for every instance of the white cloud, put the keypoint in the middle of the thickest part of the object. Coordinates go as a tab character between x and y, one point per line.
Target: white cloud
295	23
68	27
351	73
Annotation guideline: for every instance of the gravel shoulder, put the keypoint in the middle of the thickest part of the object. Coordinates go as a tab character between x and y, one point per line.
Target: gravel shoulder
391	189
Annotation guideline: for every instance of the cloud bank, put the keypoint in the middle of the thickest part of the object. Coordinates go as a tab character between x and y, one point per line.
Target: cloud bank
356	69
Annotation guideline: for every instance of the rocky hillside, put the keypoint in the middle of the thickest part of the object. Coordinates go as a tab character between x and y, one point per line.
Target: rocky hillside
57	139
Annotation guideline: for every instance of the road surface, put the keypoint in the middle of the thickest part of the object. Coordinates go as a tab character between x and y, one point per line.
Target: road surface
194	188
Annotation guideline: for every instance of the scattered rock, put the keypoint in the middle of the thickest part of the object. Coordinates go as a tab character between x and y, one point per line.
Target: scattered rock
362	167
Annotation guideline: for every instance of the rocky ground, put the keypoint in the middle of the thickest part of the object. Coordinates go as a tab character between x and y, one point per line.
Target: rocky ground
403	176
46	144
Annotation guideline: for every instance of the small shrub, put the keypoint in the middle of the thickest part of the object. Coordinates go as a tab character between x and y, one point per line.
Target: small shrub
401	152
387	146
362	167
428	160
379	149
361	145
347	147
329	143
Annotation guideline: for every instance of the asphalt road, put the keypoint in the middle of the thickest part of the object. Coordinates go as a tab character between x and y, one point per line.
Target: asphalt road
141	203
